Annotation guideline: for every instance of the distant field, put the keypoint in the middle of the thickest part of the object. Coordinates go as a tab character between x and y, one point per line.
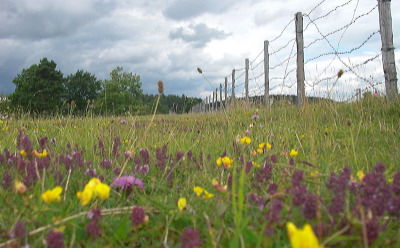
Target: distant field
249	202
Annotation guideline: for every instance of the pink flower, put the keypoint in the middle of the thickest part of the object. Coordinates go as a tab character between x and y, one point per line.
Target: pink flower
127	181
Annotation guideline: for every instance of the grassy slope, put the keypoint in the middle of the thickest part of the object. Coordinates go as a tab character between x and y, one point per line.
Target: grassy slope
329	136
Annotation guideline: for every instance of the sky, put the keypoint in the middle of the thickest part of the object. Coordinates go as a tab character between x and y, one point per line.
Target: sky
168	39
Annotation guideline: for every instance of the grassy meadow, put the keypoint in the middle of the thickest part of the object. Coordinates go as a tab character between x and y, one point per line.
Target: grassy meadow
232	178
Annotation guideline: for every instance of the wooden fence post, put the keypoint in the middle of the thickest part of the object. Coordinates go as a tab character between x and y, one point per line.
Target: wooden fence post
206	107
301	94
213	102
246	80
216	99
233	86
266	75
220	96
388	59
226	91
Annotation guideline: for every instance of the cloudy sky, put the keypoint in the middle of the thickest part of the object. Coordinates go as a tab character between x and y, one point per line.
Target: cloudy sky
169	39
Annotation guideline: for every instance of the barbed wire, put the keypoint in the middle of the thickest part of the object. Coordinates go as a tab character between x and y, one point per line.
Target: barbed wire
316	6
282	47
258	64
335	52
283	30
318	81
327	14
285	60
258	55
337	30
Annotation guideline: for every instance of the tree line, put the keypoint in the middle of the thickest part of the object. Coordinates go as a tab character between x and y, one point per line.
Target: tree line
42	89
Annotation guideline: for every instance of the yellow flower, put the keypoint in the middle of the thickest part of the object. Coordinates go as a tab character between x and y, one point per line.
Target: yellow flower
214	182
19	187
23	153
360	175
314	174
264	145
181	203
198	190
207	195
245	140
302	238
293	153
42	154
102	191
204	194
94	188
256	165
219	161
53	195
227	162
85	196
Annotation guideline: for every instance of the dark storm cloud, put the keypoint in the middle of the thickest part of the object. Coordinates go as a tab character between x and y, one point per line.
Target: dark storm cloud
186	9
45	19
198	35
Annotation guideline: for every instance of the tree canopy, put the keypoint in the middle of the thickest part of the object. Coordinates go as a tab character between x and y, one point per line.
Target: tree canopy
39	88
42	89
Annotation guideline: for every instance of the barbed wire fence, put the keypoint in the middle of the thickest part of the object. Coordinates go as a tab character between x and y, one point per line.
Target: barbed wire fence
287	68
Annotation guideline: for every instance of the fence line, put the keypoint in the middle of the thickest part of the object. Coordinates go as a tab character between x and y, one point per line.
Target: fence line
252	73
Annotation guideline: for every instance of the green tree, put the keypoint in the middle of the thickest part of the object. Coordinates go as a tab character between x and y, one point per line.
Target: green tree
39	88
120	94
81	88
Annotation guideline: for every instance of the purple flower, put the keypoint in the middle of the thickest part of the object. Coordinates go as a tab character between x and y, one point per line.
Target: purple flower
272	189
372	227
106	163
94	214
274	210
142	169
7	180
274	158
179	156
299	194
257	200
42	142
255	116
115	146
123	122
138	216
297	177
190	238
55	239
93	228
127	181
310	206
19	231
144	153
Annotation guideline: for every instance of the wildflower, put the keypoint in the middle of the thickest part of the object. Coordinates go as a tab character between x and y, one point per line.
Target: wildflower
42	154
7	180
293	153
55	239
102	191
198	190
225	161
314	174
20	187
19	231
256	165
23	153
255	116
204	194
94	188
182	203
245	140
360	175
190	238
304	237
53	195
264	146
127	181
138	216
